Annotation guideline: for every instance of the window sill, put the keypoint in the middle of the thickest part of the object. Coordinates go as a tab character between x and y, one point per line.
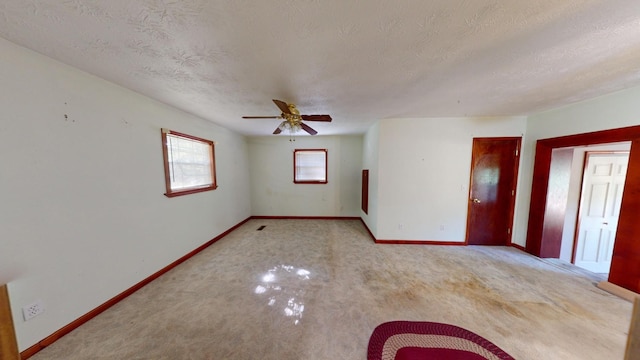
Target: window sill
189	191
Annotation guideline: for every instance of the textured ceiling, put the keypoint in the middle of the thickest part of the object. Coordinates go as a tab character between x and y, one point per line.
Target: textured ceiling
357	60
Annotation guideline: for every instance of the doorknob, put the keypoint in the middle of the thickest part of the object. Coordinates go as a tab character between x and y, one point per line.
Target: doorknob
477	201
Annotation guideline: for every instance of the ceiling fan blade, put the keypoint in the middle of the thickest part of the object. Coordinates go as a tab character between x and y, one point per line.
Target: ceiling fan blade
261	117
316	117
277	131
282	106
308	128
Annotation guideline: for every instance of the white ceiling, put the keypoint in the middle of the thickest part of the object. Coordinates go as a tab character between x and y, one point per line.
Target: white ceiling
357	60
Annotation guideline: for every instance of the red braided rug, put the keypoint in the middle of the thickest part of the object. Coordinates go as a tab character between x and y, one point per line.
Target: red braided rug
407	340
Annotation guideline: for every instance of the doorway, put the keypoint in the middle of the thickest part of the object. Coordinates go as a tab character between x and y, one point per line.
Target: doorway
544	242
590	250
564	193
492	189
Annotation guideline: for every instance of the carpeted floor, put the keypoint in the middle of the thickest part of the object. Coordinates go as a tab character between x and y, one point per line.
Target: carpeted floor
595	277
316	289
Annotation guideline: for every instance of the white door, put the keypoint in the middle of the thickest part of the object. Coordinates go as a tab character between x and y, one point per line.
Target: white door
600	201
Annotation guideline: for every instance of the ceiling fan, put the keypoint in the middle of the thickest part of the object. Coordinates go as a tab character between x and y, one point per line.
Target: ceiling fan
292	118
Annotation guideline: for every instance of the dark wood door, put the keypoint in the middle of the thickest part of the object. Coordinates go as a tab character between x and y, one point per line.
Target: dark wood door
494	170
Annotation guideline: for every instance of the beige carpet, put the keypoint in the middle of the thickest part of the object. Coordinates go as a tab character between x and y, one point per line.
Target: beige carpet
316	289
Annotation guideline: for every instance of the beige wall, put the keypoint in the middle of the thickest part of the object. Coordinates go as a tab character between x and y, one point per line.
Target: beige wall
273	192
423	174
83	214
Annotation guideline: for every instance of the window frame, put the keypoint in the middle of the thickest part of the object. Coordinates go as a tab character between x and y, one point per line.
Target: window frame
167	173
326	167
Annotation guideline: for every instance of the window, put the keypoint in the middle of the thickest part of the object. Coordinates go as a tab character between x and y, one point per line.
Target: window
310	166
189	163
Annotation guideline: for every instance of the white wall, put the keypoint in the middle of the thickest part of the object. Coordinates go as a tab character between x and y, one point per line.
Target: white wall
616	110
370	161
83	214
273	192
423	174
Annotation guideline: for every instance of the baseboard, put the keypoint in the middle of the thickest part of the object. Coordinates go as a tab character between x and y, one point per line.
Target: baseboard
421	242
306	217
519	247
410	242
116	299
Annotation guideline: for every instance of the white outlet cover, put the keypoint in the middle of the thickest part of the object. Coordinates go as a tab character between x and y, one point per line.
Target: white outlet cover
34	309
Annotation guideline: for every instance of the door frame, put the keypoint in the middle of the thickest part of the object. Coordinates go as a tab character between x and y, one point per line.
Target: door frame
512	203
625	271
8	341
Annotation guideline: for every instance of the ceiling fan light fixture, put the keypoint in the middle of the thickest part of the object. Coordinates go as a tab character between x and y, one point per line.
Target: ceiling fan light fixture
292	126
293	120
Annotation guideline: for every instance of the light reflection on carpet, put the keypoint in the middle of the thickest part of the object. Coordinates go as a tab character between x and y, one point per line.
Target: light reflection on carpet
285	286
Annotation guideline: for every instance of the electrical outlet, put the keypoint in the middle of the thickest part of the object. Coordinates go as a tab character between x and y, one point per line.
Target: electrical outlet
34	309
